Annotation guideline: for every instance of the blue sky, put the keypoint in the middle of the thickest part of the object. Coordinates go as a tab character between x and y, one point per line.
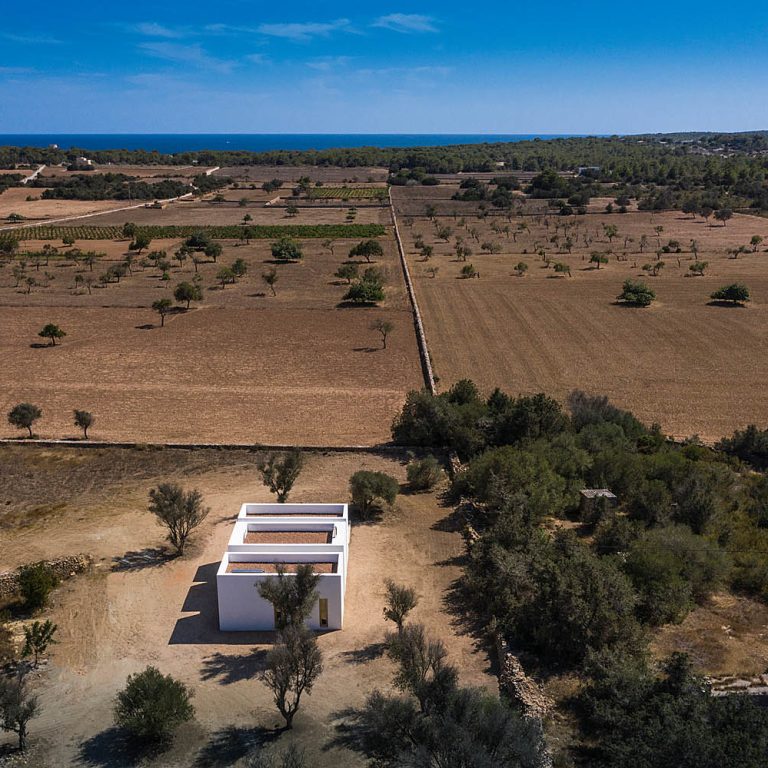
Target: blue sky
252	66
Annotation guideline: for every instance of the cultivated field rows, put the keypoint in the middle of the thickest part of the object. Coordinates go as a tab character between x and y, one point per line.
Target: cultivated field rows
695	368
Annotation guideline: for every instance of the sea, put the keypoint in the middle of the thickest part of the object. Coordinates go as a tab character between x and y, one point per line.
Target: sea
171	143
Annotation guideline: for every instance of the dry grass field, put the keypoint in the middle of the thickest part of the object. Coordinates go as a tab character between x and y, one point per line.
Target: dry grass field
242	367
693	367
14	200
138	608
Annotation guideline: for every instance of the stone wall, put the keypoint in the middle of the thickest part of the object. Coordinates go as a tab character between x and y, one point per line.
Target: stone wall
62	567
522	692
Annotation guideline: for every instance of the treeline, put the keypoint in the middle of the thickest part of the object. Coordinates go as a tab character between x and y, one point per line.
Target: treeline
647	158
107	186
585	595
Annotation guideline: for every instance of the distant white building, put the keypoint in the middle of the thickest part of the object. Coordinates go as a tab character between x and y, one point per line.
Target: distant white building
266	535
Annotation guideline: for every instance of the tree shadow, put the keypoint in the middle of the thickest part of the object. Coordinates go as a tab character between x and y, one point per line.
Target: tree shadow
230	668
137	560
145	327
113	748
40	345
460	605
355	304
231	744
726	304
364	655
366	349
348	731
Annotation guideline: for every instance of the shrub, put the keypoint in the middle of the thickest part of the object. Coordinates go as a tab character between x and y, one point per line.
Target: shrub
153	705
36	582
636	293
369	488
424	474
736	293
286	249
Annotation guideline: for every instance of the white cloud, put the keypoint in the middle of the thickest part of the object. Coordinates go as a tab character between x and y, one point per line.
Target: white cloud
302	32
406	23
328	63
186	54
403	72
153	29
16	70
31	39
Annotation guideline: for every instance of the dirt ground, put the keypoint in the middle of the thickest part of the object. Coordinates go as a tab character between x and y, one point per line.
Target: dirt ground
727	636
139	609
692	367
14	200
242	366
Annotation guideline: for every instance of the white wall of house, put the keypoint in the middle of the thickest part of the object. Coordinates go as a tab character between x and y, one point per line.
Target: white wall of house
241	608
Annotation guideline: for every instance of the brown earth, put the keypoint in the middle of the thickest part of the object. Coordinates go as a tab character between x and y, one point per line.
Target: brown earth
140	608
242	366
692	367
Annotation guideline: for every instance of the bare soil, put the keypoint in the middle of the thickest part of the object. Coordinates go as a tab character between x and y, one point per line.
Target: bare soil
140	608
691	366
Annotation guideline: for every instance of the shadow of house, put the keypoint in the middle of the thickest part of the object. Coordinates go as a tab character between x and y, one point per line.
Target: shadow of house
202	627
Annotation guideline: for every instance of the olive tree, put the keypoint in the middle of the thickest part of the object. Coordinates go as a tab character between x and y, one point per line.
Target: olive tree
400	601
52	332
293	666
186	293
270	278
292	597
162	307
369	488
279	473
84	420
23	416
383	327
17	706
178	510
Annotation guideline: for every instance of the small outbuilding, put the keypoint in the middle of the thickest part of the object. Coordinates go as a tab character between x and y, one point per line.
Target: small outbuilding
590	498
266	536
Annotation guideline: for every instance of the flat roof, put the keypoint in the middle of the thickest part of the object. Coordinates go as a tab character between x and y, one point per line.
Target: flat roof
288	537
317	567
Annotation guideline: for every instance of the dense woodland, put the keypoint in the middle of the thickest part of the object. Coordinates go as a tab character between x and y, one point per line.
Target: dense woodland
580	588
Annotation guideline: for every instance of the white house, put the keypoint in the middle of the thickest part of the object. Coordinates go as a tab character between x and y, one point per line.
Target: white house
266	535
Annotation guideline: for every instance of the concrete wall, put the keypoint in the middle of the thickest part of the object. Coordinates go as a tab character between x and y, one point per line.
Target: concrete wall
241	608
275	510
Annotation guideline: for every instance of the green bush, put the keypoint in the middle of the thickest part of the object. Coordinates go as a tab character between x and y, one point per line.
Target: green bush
368	489
36	582
153	705
424	474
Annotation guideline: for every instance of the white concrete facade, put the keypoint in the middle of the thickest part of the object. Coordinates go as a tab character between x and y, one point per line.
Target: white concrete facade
267	534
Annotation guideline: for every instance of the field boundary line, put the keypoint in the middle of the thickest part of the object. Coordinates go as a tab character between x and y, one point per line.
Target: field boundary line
387	448
426	362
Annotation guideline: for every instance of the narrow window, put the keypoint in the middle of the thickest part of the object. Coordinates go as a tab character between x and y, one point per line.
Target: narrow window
323	612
